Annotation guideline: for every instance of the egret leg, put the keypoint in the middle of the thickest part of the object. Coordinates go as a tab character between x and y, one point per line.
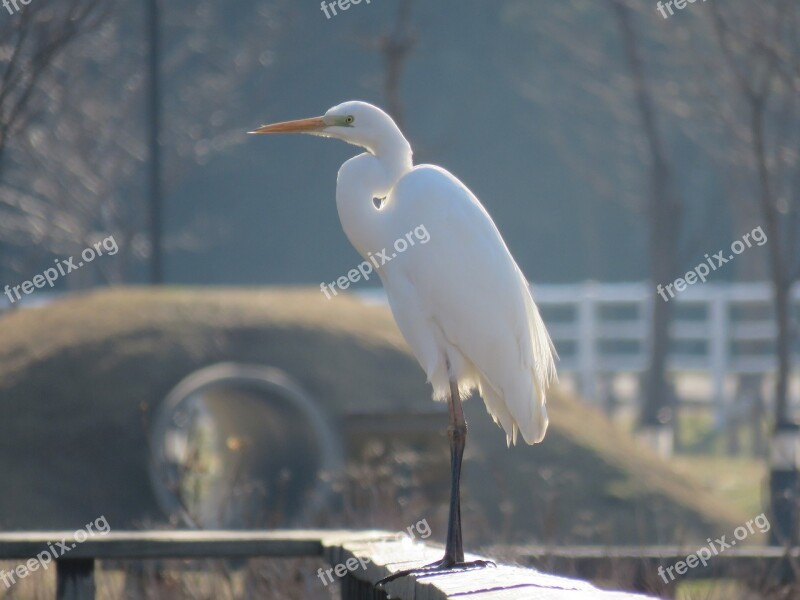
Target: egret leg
453	559
457	433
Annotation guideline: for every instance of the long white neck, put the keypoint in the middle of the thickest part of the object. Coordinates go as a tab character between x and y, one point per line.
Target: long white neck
361	180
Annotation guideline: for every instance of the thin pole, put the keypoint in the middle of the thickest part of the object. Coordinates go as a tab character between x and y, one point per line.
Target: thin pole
154	129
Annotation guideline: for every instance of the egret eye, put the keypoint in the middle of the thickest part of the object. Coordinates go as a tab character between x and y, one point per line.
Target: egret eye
349	120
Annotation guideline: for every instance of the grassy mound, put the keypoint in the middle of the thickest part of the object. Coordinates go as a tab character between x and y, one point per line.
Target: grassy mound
79	379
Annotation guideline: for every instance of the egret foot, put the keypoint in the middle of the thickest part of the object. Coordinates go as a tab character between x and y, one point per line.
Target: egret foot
453	560
440	567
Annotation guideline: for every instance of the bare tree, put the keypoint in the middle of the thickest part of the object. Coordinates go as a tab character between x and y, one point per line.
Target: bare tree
78	170
30	42
759	102
396	48
665	220
633	84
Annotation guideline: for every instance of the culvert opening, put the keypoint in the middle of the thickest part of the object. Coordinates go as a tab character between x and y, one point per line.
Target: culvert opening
242	446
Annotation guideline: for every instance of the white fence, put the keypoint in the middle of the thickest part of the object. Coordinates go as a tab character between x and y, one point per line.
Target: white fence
721	330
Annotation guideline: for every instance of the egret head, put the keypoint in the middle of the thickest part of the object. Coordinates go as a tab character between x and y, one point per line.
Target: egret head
354	122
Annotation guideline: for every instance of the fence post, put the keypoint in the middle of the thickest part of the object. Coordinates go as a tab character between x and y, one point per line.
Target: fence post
75	579
587	343
718	355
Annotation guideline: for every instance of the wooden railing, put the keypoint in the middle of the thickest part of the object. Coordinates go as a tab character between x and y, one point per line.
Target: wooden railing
652	567
358	559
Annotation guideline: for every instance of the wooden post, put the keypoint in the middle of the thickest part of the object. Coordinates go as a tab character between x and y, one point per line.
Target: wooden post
356	589
718	354
75	579
587	340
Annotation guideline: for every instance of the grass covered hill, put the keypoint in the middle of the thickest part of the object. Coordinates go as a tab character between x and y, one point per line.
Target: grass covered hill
80	377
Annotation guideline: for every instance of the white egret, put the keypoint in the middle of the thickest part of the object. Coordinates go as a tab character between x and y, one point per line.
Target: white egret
460	300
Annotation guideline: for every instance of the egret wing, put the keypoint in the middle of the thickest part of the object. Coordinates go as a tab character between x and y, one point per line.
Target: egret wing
464	287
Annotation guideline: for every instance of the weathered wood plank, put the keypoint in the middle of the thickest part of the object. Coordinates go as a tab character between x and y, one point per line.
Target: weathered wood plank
380	554
387	556
656	552
172	544
741	562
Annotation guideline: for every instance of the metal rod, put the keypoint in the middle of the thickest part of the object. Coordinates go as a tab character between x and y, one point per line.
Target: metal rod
154	130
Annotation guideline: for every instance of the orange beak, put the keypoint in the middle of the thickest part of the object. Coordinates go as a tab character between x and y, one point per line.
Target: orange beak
299	126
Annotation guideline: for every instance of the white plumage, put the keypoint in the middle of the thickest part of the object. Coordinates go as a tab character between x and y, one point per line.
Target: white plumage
460	299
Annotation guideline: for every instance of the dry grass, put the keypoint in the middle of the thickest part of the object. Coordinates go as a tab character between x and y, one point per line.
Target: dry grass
86	372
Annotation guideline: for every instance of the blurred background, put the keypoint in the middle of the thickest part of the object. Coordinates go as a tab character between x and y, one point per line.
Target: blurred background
191	374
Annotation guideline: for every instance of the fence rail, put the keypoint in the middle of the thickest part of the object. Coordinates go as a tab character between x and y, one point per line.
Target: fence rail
653	567
722	330
359	559
601	330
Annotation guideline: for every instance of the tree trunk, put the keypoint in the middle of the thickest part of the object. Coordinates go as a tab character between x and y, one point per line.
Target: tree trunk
781	282
664	221
783	350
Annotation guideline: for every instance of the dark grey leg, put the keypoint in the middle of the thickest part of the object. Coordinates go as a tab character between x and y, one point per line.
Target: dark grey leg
454	549
457	432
